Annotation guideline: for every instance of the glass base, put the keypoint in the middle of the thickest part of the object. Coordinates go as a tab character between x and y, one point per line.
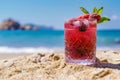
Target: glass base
82	62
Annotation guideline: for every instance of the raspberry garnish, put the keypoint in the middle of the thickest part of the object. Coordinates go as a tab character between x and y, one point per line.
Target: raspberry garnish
85	16
95	16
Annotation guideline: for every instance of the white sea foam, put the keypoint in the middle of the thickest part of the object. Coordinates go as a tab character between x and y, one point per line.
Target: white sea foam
108	48
7	50
29	50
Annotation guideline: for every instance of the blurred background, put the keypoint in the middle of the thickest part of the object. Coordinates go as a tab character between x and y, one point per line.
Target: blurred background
38	25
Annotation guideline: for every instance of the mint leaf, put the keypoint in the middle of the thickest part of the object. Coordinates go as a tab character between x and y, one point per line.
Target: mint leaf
84	10
94	10
100	10
104	19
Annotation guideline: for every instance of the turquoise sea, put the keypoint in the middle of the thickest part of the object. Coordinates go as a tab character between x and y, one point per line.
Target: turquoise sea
11	41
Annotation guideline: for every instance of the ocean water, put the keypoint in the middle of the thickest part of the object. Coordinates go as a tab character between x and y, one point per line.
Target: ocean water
50	40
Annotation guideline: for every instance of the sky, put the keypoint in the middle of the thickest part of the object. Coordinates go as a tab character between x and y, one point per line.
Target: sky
56	12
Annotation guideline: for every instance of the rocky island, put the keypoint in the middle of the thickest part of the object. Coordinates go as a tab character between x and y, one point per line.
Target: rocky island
10	24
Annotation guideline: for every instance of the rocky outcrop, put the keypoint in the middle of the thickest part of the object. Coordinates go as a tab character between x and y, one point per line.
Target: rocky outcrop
11	24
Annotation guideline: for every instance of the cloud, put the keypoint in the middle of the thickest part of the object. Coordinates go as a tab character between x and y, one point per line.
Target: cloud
114	17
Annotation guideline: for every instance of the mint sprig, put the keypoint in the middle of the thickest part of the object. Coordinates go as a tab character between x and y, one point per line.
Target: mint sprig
84	10
99	11
96	11
103	19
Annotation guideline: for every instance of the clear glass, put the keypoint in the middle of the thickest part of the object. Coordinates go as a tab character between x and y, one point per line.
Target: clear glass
80	46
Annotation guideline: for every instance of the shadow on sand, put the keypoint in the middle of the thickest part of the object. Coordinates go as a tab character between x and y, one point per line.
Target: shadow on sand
101	64
108	65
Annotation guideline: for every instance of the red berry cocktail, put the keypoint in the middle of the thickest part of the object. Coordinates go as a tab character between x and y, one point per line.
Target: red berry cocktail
80	39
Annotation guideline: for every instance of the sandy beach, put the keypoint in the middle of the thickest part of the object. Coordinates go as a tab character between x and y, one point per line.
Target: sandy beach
11	55
53	67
